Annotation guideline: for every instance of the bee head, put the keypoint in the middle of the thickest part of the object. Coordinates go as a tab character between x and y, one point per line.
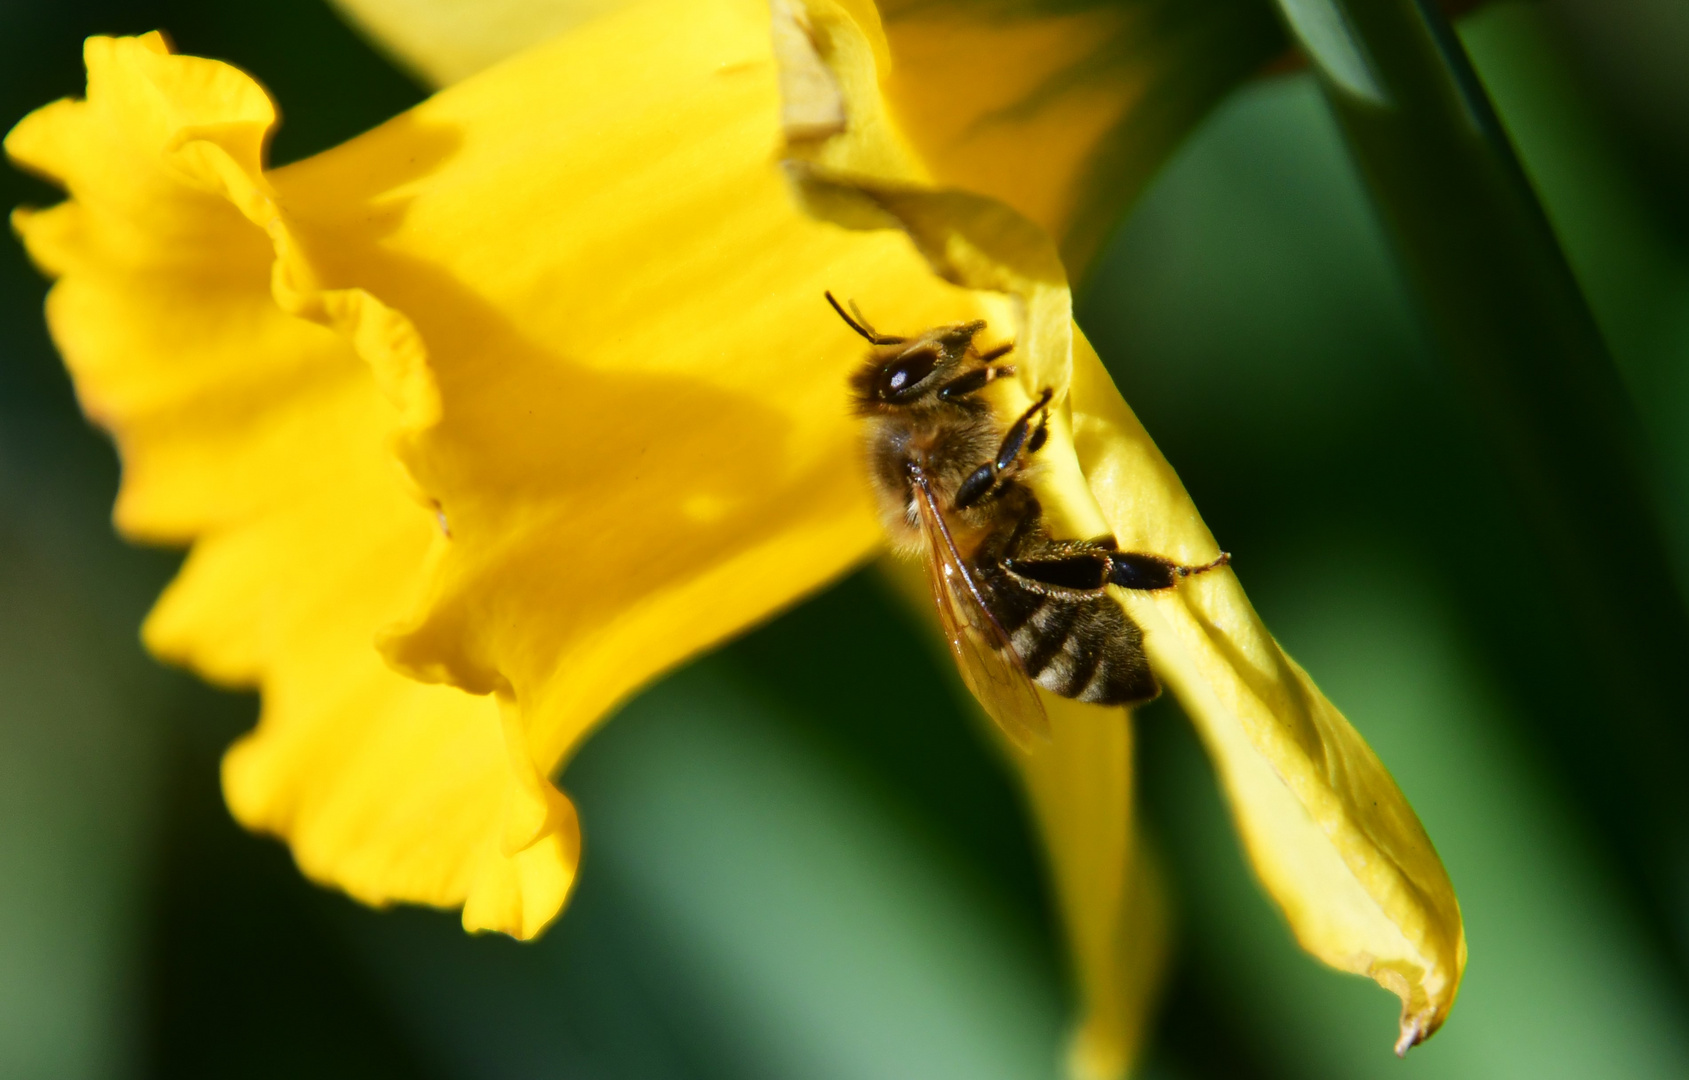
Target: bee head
904	372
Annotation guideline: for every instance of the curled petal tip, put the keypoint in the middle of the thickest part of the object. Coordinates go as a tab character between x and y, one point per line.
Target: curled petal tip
1413	1033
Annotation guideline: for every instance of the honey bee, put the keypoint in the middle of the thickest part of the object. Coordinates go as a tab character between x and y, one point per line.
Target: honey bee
1017	605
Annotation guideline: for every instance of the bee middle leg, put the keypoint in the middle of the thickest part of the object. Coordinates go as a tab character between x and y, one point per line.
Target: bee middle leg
1022	438
1022	435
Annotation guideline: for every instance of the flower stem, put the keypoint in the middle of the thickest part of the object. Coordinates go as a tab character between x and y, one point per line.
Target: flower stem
1512	321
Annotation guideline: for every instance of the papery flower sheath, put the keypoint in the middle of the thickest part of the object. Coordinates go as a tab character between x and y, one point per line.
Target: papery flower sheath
482	420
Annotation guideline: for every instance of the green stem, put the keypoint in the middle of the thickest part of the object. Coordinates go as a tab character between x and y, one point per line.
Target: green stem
1514	324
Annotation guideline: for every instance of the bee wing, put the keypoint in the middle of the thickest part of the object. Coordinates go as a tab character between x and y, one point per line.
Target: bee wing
990	666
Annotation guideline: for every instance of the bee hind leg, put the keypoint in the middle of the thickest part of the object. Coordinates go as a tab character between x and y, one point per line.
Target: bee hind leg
1075	564
1083	570
1069	564
1149	573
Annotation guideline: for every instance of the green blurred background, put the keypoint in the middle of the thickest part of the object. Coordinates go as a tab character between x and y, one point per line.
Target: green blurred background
793	871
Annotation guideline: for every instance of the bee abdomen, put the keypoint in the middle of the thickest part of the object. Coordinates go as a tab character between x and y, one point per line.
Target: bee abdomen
1082	647
1041	640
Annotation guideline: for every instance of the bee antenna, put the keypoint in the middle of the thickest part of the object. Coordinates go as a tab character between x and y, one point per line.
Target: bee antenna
860	324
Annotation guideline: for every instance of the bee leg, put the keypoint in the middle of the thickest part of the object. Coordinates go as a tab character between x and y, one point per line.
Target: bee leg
977	486
1063	548
973	381
1149	573
1039	433
1070	564
1002	350
1022	437
1080	570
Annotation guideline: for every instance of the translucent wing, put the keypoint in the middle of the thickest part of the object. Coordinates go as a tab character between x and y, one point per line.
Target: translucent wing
990	666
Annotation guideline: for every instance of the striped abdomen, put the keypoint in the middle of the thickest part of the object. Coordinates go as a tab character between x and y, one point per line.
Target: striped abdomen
1076	643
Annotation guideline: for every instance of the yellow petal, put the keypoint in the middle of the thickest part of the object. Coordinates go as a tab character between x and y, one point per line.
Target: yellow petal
861	173
1060	111
262	438
1330	835
1080	784
591	319
864	175
643	443
444	41
1081	788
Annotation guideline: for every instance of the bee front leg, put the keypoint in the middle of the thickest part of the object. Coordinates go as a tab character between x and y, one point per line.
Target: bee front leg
974	381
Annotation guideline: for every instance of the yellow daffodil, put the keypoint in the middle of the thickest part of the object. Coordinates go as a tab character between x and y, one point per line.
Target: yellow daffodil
482	420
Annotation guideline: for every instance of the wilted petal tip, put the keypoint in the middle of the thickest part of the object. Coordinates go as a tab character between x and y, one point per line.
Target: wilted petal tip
1412	1035
811	103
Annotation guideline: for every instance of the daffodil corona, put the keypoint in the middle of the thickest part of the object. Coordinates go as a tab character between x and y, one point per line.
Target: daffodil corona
480	421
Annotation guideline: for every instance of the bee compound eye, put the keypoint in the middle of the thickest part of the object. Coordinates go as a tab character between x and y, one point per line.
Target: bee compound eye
903	374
